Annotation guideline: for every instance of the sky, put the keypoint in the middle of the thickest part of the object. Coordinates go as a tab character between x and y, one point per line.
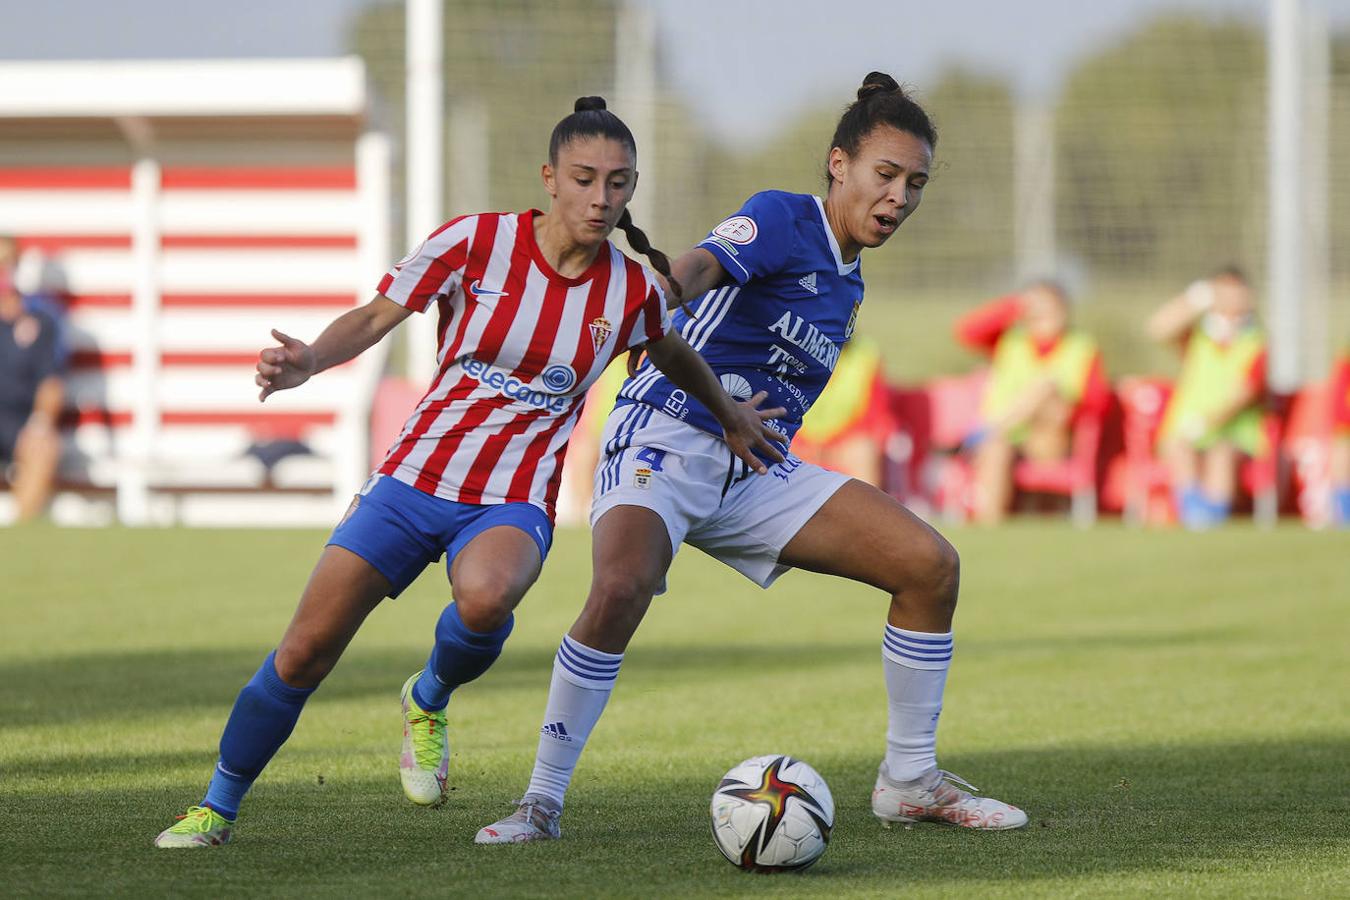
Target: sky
747	66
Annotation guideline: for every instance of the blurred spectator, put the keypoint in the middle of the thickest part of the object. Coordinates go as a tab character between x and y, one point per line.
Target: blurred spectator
1043	375
31	395
1340	440
1215	412
846	428
35	287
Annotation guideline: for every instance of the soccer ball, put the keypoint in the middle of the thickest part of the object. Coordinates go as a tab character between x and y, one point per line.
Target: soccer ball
772	814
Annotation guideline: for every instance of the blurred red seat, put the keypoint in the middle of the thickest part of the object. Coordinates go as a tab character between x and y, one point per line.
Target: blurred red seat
936	419
1307	450
1074	477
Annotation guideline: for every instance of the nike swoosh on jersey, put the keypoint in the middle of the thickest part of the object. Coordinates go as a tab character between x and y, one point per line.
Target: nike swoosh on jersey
478	292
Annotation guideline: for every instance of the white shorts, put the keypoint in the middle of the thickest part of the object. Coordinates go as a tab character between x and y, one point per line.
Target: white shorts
706	496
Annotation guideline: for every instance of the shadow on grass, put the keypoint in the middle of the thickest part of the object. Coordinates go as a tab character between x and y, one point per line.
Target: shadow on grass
93	687
1141	816
110	686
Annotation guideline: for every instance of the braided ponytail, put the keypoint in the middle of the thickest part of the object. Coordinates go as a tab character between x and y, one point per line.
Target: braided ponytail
637	239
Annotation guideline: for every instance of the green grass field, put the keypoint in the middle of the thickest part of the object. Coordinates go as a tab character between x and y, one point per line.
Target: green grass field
1170	708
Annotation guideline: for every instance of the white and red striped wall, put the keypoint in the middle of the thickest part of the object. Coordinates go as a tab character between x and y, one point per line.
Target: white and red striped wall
172	285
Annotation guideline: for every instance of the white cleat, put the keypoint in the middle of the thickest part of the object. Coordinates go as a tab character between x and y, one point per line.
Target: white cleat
535	819
936	797
425	761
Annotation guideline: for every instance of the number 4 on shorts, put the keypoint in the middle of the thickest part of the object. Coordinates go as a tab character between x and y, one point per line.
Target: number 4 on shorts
652	457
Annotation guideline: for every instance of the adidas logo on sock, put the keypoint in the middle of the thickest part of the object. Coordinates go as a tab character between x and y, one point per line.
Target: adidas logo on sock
809	282
557	731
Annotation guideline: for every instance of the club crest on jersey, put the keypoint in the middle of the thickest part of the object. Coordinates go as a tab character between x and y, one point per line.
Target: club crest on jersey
559	378
738	229
642	478
852	320
601	329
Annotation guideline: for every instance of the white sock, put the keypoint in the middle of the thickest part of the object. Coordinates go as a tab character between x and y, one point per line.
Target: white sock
916	665
582	681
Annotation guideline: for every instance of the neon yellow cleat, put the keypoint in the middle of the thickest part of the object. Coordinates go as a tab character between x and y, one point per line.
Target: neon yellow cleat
425	761
200	826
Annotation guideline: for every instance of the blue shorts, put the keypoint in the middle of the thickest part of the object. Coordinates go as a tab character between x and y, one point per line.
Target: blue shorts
400	530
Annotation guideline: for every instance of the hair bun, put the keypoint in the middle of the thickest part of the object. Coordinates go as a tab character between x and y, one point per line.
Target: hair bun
584	104
877	83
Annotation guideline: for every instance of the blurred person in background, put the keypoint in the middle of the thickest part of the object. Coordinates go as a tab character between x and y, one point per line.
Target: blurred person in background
32	391
1340	440
41	284
1215	414
1042	376
846	428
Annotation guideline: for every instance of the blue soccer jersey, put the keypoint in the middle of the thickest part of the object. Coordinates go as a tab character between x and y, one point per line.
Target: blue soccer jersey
779	326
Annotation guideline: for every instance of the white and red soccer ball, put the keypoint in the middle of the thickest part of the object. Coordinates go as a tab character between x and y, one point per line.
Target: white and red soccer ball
772	814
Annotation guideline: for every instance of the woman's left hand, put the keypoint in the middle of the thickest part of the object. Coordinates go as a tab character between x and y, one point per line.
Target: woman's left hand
747	433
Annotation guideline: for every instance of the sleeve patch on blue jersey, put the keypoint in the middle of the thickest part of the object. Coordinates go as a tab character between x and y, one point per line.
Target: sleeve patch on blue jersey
738	229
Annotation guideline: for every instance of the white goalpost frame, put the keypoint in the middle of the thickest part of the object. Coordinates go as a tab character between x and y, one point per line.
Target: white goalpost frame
1284	135
133	474
635	93
424	153
352	458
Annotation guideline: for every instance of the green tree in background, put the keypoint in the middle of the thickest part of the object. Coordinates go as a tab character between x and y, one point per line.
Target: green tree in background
1339	177
960	240
526	61
1161	152
1160	162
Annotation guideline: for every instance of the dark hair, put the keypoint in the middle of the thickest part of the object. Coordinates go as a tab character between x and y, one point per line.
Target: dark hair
881	101
590	118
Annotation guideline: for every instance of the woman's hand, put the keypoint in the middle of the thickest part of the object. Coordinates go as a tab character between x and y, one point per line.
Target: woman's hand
742	421
284	367
747	433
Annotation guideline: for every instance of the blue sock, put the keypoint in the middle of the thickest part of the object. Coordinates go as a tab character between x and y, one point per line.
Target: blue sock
263	716
1192	508
1340	504
460	656
1216	511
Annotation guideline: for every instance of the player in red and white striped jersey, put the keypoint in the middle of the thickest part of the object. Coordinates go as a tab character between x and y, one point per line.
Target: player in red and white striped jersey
519	345
531	307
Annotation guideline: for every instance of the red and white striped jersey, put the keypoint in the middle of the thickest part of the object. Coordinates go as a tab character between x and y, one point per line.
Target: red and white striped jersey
518	345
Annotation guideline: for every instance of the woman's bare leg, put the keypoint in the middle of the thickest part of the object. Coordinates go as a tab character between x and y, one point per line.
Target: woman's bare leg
631	552
341	592
865	535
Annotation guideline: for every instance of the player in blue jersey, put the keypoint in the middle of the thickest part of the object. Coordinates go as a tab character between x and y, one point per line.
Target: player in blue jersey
780	291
